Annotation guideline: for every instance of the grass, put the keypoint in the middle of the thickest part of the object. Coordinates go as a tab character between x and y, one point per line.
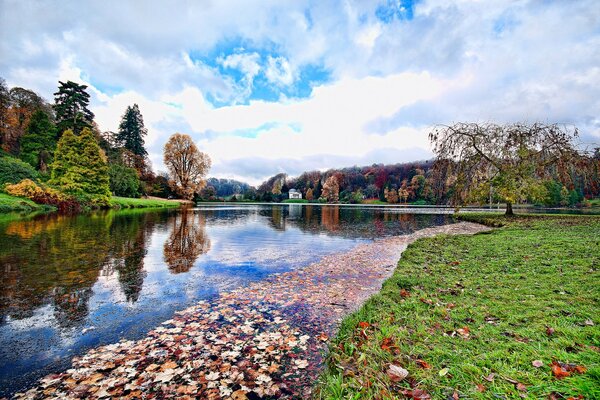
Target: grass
373	201
125	202
295	201
468	307
10	204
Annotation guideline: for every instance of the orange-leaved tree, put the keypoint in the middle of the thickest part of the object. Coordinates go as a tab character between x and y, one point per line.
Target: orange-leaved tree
187	165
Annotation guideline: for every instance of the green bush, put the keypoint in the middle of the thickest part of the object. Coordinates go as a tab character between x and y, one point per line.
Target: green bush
124	181
13	170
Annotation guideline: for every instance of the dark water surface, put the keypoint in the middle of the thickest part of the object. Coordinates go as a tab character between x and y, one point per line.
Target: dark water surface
71	283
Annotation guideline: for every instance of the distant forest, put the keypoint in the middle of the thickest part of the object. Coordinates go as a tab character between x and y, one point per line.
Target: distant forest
416	182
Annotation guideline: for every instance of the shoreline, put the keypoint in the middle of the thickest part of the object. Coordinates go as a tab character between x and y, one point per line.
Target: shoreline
266	339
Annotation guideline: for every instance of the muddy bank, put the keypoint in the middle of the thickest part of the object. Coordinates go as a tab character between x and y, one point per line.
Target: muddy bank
263	341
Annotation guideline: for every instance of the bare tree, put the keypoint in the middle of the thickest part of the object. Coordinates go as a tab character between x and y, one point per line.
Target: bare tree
187	165
510	162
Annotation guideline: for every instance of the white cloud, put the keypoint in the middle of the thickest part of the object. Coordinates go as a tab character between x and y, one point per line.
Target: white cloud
464	60
279	71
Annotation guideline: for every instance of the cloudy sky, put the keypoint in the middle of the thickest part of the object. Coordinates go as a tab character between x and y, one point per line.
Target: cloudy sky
286	86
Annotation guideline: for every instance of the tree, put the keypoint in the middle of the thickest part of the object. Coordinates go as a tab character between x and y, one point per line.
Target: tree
132	131
38	144
4	106
511	160
391	195
187	165
21	104
124	181
309	194
71	107
331	190
80	167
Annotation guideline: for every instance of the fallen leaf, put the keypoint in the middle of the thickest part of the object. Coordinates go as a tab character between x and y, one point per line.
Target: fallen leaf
537	363
549	331
580	369
589	322
455	395
404	293
464	332
443	371
490	377
480	388
239	395
521	387
416	394
423	364
363	324
558	371
396	373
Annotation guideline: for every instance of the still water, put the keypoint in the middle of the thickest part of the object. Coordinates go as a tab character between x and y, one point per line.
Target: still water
68	283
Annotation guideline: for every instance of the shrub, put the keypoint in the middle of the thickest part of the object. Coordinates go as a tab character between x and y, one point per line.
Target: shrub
44	195
13	170
124	181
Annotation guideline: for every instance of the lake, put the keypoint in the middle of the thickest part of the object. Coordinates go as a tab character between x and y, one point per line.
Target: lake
69	283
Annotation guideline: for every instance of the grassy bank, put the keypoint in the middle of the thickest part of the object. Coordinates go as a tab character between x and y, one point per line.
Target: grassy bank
480	317
126	202
9	204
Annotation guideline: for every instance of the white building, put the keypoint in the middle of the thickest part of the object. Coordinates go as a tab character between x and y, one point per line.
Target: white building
294	194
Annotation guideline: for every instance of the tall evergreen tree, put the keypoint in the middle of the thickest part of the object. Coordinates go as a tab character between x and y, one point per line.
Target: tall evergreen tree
39	142
80	167
70	104
132	131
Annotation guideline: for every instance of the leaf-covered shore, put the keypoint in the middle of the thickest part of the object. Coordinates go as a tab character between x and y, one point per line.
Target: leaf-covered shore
512	313
262	341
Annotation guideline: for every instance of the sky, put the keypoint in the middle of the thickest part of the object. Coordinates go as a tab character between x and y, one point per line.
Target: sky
265	86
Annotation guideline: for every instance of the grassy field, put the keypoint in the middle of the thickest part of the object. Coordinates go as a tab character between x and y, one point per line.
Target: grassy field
125	202
513	313
10	203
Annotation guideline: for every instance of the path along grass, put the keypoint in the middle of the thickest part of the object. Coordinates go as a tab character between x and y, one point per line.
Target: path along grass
480	317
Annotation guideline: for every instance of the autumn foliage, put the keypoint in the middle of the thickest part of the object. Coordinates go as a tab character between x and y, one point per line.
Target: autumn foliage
187	165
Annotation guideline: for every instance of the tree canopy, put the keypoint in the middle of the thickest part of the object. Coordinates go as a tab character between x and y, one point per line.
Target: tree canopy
71	107
186	164
508	162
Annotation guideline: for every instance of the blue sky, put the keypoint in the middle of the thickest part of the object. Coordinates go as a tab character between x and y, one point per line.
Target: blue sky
285	86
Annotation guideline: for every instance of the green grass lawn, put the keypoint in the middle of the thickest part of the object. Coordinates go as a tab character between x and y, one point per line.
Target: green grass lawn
126	202
469	316
295	201
10	203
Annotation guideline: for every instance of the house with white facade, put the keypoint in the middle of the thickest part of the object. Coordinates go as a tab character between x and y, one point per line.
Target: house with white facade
294	194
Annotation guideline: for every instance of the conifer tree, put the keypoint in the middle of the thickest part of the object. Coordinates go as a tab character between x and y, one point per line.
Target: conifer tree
71	107
80	167
132	131
39	142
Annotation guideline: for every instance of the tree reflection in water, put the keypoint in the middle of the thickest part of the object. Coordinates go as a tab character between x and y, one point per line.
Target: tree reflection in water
188	239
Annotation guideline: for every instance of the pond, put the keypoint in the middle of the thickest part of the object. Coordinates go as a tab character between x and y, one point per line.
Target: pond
69	283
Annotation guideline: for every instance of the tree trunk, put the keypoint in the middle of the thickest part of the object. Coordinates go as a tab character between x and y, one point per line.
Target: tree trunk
509	210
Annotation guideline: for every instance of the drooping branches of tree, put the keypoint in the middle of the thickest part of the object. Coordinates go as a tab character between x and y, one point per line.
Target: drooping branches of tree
508	162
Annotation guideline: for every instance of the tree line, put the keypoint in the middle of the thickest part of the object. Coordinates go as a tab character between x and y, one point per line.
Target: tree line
56	154
475	164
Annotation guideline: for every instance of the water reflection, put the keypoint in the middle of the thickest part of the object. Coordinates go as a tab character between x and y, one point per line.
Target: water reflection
70	283
187	240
